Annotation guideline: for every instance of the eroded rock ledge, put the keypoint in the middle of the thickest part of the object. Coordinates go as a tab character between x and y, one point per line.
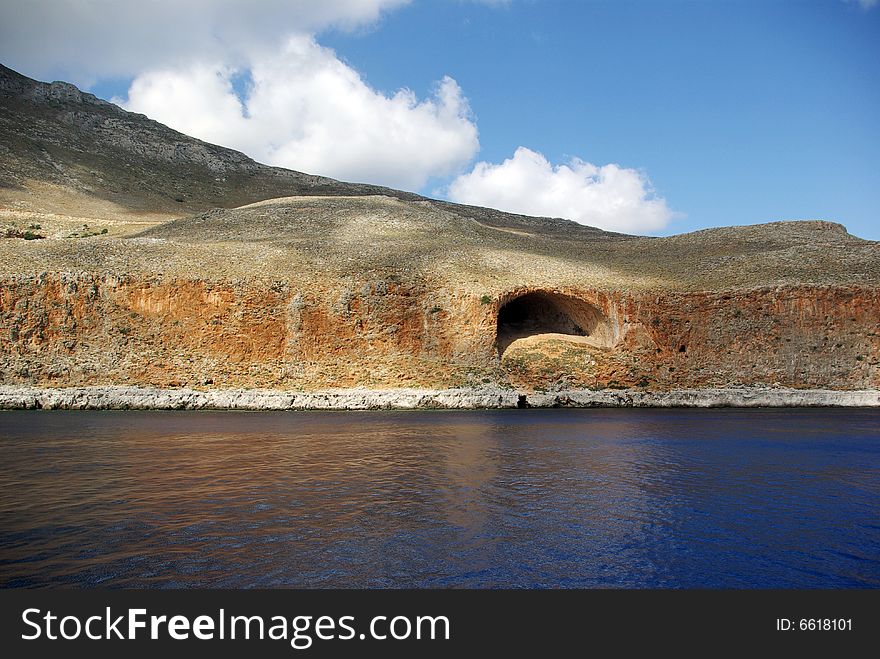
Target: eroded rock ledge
120	397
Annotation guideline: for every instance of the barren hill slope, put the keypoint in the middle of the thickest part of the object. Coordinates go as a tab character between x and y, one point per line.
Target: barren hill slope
348	235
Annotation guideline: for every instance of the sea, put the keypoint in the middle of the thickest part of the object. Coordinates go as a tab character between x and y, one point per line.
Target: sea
544	498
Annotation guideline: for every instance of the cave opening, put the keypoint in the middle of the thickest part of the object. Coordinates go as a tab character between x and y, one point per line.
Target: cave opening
547	312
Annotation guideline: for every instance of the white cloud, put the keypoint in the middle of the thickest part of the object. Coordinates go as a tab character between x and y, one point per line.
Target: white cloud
309	111
85	40
609	196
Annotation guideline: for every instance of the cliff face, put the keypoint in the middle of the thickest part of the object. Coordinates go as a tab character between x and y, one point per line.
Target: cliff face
794	336
151	273
65	330
86	329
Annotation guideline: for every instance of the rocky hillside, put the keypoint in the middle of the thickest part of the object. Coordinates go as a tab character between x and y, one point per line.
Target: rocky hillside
93	155
68	153
137	255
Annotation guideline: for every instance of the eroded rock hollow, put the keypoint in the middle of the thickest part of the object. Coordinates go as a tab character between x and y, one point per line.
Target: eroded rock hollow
542	312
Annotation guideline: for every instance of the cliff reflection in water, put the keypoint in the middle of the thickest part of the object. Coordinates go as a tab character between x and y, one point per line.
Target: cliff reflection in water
621	498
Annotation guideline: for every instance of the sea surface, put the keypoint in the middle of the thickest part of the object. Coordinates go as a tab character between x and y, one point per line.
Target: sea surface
621	498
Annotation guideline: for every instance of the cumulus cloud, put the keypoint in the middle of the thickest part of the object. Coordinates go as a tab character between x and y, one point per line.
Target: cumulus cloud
85	40
306	109
608	196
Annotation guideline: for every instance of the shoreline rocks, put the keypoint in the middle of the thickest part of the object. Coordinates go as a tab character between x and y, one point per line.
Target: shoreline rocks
146	398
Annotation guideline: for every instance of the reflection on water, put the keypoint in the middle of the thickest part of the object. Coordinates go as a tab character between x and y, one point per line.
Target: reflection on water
536	498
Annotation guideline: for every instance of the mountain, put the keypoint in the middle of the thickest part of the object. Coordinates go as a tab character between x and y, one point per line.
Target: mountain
68	152
158	259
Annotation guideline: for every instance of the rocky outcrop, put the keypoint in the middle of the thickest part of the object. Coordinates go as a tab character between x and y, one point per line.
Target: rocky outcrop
74	330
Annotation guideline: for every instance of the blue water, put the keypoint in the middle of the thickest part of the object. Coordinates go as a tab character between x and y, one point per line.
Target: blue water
532	498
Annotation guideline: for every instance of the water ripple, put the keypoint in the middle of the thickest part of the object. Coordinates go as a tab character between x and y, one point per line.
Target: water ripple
535	498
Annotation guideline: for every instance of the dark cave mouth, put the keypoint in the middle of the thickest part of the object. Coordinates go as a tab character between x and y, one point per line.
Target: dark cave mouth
547	312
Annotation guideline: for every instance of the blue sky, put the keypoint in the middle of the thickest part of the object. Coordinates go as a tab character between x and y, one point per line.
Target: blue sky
717	113
740	112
